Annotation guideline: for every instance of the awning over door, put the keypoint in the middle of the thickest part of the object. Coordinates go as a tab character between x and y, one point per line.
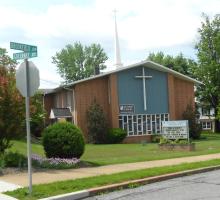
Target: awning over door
58	113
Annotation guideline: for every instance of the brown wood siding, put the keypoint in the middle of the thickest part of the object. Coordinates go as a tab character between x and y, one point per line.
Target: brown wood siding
181	94
114	109
85	93
171	91
48	104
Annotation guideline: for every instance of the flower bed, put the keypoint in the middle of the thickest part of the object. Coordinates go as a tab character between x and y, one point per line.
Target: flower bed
54	163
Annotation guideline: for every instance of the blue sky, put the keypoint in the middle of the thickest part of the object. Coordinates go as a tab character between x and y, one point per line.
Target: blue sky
144	26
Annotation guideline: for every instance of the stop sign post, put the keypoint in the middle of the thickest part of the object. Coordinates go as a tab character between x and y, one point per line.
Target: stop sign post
32	72
27	82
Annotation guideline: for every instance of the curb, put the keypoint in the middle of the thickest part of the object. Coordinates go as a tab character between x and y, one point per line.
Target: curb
109	188
6	197
70	196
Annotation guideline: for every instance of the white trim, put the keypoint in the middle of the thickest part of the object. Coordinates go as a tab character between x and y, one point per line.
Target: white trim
74	107
124	118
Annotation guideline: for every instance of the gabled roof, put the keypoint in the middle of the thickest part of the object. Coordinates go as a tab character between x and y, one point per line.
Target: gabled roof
145	63
60	113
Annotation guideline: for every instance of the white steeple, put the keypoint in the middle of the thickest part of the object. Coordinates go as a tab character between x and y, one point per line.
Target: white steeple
117	47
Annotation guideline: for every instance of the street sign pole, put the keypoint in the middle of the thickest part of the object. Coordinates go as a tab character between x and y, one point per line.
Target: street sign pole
27	82
28	127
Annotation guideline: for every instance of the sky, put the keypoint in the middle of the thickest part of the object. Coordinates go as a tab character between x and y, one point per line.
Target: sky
144	26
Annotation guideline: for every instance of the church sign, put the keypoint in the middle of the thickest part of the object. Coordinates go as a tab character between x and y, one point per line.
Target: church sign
126	109
175	129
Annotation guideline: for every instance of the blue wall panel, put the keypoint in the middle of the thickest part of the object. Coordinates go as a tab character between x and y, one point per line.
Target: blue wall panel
130	90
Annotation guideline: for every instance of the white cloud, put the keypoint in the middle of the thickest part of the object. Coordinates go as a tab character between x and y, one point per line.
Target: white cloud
142	25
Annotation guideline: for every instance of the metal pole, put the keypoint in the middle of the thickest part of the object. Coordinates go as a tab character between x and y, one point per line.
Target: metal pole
28	127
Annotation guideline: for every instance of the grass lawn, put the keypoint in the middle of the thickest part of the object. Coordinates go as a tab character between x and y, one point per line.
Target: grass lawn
61	187
125	153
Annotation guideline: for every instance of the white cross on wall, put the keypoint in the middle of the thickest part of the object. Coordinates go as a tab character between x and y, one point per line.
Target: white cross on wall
144	86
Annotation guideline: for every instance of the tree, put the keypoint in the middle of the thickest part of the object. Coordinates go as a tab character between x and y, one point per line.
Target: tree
178	63
12	109
208	53
5	60
76	62
11	104
194	127
97	124
37	114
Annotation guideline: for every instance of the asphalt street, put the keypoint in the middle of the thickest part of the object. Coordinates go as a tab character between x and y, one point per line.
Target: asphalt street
204	186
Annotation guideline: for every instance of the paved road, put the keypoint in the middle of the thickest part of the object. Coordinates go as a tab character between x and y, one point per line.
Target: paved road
204	186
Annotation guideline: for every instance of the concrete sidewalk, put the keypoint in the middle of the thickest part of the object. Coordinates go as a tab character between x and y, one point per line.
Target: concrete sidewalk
48	176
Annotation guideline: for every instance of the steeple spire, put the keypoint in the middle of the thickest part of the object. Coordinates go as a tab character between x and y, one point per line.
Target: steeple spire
117	47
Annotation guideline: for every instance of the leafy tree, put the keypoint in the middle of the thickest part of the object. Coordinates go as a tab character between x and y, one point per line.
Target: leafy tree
11	104
12	109
76	62
37	114
194	127
178	63
208	52
96	123
5	60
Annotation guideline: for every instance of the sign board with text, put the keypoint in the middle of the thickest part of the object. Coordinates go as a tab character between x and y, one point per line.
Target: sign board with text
175	129
126	109
23	47
29	51
24	55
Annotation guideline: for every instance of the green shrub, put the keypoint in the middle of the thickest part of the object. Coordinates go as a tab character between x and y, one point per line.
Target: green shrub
63	140
164	140
14	159
116	135
156	138
96	124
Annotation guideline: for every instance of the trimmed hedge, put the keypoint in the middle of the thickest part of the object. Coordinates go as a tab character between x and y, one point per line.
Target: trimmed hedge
63	140
116	135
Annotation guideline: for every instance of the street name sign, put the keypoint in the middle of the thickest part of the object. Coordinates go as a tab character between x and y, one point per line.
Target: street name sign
23	47
24	55
29	51
175	129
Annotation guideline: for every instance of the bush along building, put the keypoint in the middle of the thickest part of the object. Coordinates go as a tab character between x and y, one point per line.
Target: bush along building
136	98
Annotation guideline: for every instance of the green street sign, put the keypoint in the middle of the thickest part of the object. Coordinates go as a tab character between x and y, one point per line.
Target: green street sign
23	47
24	55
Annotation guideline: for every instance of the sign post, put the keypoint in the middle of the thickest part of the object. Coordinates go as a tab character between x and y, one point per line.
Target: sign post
27	103
27	82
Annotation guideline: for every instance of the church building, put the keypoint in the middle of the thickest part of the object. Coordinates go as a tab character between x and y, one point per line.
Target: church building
136	98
